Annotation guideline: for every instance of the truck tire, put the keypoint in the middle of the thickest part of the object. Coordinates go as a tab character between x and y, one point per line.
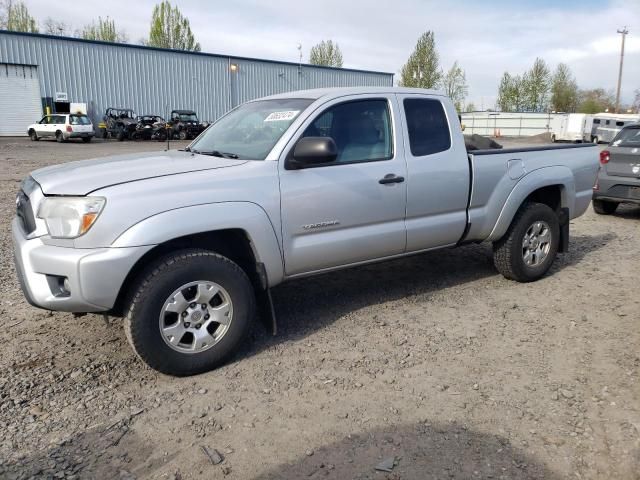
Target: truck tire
182	135
527	250
602	207
33	135
121	135
171	319
59	137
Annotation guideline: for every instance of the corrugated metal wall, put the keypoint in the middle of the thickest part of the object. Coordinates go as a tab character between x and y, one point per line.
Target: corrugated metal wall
154	81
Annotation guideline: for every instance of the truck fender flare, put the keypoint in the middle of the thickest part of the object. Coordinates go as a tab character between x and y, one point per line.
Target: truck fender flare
542	177
180	222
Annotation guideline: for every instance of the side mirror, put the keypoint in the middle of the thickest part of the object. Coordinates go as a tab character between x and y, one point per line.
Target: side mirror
312	151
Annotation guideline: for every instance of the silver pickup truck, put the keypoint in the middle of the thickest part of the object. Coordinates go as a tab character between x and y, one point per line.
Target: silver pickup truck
186	244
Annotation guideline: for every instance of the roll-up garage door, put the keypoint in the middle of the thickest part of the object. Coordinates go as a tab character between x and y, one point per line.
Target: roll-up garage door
20	101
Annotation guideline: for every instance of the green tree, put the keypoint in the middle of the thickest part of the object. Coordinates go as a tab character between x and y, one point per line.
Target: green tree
564	90
454	84
104	30
595	101
170	29
16	17
326	53
537	83
422	69
511	93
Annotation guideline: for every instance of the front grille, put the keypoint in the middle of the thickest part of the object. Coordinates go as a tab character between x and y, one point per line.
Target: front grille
25	213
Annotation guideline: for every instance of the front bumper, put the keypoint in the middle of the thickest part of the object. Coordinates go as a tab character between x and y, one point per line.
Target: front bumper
94	276
617	189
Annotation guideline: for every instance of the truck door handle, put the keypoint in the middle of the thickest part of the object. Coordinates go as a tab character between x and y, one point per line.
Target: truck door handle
390	178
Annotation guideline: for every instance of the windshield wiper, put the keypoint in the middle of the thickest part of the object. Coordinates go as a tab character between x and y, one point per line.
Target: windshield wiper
216	153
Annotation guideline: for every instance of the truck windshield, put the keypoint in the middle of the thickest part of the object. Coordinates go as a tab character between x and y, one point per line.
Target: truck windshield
251	131
628	137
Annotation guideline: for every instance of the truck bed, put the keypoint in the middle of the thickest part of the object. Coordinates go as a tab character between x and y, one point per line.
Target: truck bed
498	174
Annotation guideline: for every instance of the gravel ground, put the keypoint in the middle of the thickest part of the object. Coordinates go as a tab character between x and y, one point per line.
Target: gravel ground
432	366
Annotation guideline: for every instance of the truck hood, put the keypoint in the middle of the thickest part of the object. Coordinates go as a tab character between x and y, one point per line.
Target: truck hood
83	177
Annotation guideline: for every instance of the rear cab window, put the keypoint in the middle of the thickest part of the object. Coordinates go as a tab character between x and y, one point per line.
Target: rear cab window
427	126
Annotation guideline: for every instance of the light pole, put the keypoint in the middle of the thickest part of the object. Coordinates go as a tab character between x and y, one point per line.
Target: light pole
624	33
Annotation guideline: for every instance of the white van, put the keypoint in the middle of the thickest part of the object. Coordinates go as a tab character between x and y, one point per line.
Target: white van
62	127
567	127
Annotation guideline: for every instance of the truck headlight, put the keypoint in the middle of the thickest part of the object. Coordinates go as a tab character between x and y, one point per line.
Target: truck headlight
70	217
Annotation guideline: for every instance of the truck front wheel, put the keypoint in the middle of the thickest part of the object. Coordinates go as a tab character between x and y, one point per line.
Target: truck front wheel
190	312
525	253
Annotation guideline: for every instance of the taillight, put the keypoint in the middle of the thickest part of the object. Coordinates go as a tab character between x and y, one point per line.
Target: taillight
605	156
70	129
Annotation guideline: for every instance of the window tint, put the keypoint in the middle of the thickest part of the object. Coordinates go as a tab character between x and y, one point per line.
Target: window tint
427	125
608	122
361	130
597	121
619	124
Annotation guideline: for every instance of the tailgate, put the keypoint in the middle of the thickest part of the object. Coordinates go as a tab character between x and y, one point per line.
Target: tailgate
624	162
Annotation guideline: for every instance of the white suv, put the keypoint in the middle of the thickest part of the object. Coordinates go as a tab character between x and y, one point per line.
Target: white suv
62	126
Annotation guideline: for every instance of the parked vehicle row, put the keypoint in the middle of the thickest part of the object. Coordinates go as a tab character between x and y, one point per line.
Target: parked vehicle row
124	124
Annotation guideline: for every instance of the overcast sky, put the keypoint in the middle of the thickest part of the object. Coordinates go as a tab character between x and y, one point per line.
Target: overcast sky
486	37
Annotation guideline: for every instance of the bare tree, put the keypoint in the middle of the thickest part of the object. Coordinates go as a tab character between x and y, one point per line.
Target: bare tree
54	27
422	69
326	53
454	84
595	101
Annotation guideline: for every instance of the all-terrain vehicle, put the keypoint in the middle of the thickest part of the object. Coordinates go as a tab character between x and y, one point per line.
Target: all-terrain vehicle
185	124
119	123
148	127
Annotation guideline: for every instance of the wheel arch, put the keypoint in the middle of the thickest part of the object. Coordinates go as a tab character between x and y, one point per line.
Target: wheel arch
552	186
232	243
241	231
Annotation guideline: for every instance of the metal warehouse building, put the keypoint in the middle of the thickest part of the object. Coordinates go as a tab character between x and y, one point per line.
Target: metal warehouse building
37	71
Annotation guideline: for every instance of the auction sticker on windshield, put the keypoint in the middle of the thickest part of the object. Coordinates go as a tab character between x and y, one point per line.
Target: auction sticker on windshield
282	116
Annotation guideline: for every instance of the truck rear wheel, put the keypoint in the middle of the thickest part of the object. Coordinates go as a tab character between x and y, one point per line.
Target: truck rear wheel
190	312
525	253
602	207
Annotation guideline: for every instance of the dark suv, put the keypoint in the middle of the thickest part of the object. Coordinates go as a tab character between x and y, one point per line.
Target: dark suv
185	124
619	174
